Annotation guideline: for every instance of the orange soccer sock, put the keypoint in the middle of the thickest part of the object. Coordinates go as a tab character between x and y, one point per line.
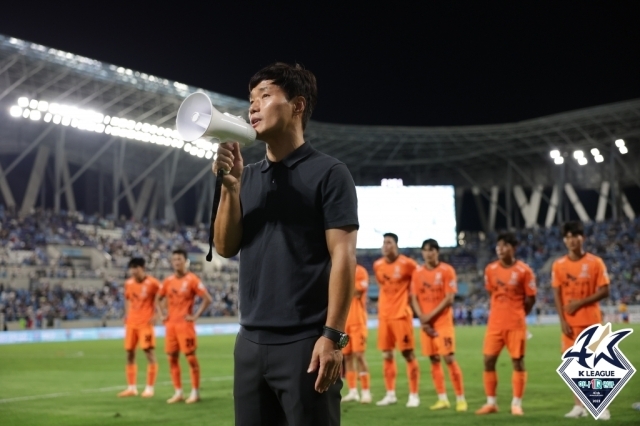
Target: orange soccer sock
352	379
365	380
490	383
455	374
518	381
174	370
438	378
194	369
132	374
390	372
152	373
413	374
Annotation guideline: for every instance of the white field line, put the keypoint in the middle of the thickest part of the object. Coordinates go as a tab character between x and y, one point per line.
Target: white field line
107	389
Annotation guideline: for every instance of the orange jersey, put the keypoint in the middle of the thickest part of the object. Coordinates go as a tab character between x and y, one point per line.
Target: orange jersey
577	280
141	297
181	293
508	288
430	286
358	309
394	279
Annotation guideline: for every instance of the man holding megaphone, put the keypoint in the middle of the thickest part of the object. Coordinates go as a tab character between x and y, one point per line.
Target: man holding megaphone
293	219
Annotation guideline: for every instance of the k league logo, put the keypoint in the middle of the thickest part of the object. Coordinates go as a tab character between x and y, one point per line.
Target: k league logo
595	369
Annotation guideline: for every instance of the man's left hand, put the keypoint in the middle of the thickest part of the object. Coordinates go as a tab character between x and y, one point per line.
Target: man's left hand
572	307
190	318
327	360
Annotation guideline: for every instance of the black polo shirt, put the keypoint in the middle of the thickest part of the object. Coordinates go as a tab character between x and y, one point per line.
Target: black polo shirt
284	260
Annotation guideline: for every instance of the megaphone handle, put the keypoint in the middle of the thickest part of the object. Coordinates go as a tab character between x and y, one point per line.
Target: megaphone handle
214	211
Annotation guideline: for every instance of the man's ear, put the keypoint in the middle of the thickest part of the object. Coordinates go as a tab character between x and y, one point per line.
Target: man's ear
299	105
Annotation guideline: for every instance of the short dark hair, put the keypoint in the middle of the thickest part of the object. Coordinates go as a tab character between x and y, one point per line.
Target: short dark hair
183	252
575	227
508	238
294	80
136	262
391	235
431	243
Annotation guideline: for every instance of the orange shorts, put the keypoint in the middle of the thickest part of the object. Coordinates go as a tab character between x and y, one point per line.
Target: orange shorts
394	333
514	340
144	336
180	337
357	339
567	341
443	344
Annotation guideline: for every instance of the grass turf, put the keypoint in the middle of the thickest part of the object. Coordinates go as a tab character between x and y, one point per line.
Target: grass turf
75	383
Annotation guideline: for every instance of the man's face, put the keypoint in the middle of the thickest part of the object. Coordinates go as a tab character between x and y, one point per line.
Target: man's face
430	254
269	112
505	251
573	242
389	247
136	272
178	262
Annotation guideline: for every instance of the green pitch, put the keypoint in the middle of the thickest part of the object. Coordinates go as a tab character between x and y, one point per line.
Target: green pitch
76	383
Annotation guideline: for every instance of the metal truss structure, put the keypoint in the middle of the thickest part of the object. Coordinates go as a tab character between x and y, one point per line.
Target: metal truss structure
149	179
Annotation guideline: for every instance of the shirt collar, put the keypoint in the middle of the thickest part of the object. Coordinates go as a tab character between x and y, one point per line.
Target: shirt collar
292	159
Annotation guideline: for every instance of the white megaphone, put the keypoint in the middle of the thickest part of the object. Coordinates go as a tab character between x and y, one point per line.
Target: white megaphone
198	118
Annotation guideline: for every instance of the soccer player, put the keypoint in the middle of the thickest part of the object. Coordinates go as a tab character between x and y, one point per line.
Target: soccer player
393	272
433	288
181	289
356	328
140	295
512	286
579	282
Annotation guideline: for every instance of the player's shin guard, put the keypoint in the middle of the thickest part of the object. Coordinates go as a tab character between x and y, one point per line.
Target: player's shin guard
518	381
132	374
455	374
152	373
490	383
390	372
413	374
194	369
352	379
174	370
438	378
365	380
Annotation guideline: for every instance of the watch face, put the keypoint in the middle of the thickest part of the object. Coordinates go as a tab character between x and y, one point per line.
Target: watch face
344	340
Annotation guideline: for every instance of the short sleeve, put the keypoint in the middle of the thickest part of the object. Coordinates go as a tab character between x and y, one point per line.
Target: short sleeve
602	274
530	288
127	293
339	199
362	279
198	287
162	291
487	280
412	265
156	286
555	277
415	282
451	285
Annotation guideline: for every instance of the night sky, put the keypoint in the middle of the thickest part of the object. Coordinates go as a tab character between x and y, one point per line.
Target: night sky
450	63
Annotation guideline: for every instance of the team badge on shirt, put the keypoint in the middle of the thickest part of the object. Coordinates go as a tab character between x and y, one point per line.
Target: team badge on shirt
594	367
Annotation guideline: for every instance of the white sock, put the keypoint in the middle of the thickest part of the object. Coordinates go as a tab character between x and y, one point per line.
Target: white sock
443	397
178	391
353	390
516	401
391	393
413	395
491	400
365	392
132	387
148	388
194	392
460	398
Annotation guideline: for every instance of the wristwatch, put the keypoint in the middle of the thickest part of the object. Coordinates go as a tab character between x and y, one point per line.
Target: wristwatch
340	338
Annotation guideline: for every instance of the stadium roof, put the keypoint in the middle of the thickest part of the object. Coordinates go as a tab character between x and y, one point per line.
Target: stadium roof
145	106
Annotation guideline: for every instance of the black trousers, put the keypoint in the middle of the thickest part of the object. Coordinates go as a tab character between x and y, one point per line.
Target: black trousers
272	387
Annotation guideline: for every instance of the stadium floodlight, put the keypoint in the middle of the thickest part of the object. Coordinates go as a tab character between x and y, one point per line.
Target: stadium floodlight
33	104
582	161
619	142
23	102
578	154
599	158
15	111
47	117
623	149
554	153
558	160
595	152
35	115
